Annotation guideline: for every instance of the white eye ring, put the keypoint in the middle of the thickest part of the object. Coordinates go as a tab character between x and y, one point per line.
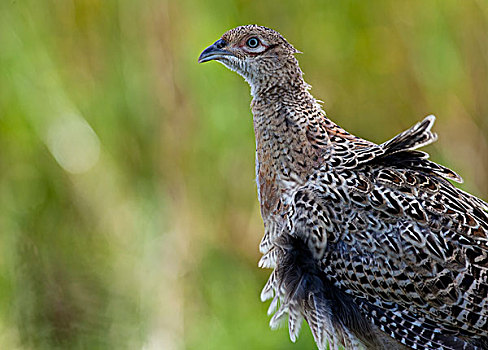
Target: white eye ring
252	42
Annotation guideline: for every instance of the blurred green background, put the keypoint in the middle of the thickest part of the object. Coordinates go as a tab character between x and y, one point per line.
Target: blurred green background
129	217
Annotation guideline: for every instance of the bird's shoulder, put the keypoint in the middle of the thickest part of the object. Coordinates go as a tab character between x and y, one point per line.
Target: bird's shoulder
349	151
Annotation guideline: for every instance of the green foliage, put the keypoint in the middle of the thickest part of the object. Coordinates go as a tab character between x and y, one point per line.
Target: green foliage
129	216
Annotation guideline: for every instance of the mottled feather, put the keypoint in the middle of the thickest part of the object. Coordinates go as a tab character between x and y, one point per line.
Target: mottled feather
370	244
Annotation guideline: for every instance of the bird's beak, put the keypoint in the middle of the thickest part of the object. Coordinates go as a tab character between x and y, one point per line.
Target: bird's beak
214	52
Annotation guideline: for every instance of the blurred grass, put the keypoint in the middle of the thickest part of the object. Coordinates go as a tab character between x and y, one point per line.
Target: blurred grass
129	213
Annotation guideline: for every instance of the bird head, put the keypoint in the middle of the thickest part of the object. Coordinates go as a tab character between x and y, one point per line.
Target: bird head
261	55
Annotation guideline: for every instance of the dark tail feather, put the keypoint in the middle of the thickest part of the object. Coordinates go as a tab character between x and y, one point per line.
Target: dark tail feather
401	150
417	136
305	292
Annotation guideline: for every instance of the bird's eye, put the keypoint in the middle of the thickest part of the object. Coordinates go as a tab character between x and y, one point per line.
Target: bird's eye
252	42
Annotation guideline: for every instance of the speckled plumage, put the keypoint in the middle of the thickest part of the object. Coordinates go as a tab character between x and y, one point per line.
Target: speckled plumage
370	244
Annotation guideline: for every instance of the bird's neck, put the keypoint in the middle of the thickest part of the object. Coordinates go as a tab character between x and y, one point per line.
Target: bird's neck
288	77
283	107
291	137
288	116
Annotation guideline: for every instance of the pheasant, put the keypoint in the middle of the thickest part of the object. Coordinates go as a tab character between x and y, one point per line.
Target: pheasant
370	244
